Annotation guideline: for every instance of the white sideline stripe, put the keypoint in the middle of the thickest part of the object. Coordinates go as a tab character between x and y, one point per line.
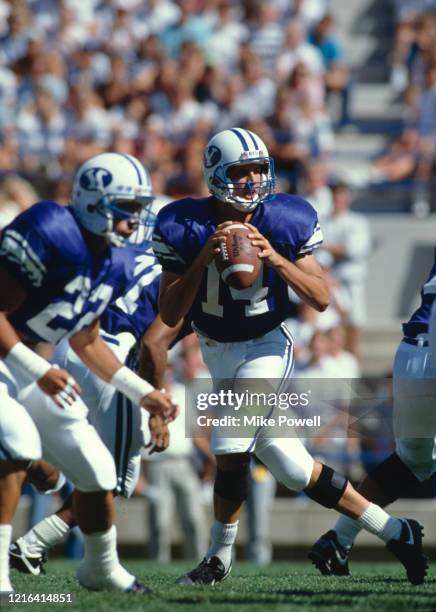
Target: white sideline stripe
236	268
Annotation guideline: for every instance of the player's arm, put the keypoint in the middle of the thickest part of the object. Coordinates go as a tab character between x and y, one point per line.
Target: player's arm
304	276
95	353
177	292
154	350
53	381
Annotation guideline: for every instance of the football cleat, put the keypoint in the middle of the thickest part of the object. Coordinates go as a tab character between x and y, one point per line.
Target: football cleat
408	550
138	587
330	557
208	572
25	562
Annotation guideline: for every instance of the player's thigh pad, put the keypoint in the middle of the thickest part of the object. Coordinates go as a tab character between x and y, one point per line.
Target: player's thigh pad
70	442
287	460
414	385
269	356
19	438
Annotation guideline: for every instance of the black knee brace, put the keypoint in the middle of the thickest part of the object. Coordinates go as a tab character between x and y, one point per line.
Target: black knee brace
329	487
394	477
233	484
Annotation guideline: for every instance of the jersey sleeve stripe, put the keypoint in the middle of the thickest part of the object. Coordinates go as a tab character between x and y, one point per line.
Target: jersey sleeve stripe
16	248
311	247
164	250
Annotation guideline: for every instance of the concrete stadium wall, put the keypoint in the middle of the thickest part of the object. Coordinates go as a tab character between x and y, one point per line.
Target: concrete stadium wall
403	250
293	522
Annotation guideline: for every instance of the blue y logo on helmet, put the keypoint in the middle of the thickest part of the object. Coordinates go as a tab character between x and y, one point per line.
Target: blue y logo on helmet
212	155
95	179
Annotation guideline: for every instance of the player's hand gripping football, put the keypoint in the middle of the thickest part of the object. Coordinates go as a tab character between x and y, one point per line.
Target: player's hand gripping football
60	386
267	254
160	434
159	403
212	246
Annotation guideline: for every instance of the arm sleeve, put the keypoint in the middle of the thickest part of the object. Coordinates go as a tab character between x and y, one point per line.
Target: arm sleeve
24	253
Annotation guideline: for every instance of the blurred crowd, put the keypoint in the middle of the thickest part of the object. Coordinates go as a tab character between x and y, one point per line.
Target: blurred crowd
155	78
80	77
409	158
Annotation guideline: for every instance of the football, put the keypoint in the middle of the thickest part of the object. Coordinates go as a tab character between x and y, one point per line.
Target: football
238	262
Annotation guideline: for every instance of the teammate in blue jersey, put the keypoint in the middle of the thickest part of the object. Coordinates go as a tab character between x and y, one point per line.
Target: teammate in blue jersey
242	334
130	321
414	459
61	271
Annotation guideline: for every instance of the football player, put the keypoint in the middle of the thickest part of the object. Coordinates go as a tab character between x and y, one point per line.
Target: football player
121	425
414	459
242	334
61	271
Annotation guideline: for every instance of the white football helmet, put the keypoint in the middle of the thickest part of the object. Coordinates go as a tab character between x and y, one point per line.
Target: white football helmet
100	183
232	147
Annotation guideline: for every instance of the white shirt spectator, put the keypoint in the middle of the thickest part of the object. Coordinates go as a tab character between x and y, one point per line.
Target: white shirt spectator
352	230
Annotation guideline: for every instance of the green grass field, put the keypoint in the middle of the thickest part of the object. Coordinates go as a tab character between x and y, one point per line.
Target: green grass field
281	586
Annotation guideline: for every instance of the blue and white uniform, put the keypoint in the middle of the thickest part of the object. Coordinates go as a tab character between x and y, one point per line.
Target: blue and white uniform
67	289
241	332
414	378
122	426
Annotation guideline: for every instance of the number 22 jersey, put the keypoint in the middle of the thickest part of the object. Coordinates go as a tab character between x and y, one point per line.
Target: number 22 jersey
67	287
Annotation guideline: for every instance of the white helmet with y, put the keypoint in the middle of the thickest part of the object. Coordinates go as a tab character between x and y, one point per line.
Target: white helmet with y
105	182
238	147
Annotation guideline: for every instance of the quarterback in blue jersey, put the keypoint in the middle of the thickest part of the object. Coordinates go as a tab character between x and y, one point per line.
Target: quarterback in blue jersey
61	271
414	459
130	321
242	333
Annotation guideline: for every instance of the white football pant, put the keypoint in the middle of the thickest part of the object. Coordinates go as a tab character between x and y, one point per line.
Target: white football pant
414	382
269	357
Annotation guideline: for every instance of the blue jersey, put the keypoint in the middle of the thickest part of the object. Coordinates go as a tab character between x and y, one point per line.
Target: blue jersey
418	322
134	311
67	287
219	311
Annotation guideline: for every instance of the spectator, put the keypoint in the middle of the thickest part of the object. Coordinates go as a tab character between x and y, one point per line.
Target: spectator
260	499
296	49
316	190
347	246
174	486
336	74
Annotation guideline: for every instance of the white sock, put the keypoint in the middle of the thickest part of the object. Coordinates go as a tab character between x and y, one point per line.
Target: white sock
100	567
347	529
223	536
377	521
44	535
5	542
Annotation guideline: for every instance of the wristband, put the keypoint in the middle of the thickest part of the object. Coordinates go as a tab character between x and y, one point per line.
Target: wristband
131	385
26	360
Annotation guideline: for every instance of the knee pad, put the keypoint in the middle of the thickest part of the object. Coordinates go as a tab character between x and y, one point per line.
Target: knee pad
233	484
287	460
329	487
394	476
